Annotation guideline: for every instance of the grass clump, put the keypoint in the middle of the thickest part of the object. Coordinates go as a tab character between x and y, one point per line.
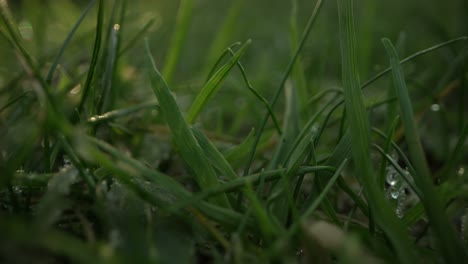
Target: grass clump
136	132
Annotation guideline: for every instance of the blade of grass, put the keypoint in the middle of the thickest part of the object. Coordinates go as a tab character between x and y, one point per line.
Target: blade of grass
387	146
70	35
408	59
259	96
94	58
213	155
278	91
184	15
226	29
218	161
122	112
255	179
106	98
450	246
298	70
163	191
213	84
360	138
456	156
184	139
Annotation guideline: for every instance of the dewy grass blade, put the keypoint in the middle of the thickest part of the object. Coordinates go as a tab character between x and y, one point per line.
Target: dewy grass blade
360	138
184	16
188	146
213	84
444	233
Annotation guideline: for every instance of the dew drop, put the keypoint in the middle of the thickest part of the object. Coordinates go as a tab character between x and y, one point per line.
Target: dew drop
461	171
392	176
435	107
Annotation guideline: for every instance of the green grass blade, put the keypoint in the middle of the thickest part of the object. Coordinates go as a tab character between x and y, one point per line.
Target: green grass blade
226	29
106	97
295	227
187	144
184	16
298	71
414	56
360	138
118	113
446	239
94	58
278	91
213	84
213	155
70	35
456	156
259	96
137	37
387	146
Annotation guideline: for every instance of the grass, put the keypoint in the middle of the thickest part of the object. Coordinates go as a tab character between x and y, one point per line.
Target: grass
253	143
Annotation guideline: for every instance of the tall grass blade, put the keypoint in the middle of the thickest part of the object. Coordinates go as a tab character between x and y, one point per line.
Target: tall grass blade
70	35
444	233
298	71
184	16
94	59
188	146
225	31
213	84
278	91
360	138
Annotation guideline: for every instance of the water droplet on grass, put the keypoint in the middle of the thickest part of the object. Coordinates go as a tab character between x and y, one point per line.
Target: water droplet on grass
392	176
461	171
435	107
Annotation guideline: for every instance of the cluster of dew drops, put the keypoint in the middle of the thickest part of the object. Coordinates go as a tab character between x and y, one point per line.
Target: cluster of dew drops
396	190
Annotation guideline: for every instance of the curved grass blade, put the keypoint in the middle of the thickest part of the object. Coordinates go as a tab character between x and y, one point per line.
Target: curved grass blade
360	138
295	227
213	84
407	59
188	146
446	239
259	96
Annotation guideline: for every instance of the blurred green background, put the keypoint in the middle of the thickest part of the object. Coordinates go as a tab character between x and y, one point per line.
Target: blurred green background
413	25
